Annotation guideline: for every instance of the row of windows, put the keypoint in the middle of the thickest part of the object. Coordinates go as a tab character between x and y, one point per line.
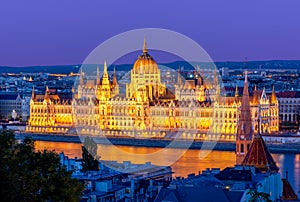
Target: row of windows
288	101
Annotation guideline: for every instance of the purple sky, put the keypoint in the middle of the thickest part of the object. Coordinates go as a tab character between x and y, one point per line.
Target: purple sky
51	32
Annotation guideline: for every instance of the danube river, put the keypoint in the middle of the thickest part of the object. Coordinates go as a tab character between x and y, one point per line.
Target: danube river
191	161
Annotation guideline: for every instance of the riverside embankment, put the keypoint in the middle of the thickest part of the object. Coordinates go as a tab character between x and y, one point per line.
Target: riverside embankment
217	145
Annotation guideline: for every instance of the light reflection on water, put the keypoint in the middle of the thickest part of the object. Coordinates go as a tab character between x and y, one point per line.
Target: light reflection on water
190	162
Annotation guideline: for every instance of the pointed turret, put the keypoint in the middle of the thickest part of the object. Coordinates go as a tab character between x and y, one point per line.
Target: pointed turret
98	77
105	79
244	131
106	86
199	77
179	80
47	93
259	155
216	82
263	98
255	96
236	91
273	96
81	82
145	50
32	93
115	85
115	82
236	94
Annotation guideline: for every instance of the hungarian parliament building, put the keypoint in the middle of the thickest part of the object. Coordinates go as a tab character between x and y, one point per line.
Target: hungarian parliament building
149	109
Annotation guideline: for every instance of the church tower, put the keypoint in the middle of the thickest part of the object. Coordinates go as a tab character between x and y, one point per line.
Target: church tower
245	131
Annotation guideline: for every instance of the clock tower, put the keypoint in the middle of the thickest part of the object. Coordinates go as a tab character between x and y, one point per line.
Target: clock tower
245	130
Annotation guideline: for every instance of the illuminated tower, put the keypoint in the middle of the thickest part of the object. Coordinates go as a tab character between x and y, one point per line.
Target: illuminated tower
105	86
245	131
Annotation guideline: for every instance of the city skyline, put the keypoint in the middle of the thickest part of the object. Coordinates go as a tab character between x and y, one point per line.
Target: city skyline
52	33
150	100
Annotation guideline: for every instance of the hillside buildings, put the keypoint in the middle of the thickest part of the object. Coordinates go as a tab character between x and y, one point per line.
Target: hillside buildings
12	102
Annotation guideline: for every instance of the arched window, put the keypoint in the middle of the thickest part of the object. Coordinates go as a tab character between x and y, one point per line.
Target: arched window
242	148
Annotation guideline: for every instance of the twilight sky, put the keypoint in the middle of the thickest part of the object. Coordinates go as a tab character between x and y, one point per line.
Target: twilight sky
52	32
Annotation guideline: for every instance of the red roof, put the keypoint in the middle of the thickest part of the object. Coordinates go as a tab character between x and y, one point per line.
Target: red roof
259	156
288	193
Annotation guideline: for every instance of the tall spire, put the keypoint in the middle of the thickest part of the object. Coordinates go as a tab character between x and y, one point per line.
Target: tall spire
236	91
245	118
179	80
105	79
106	86
246	76
246	91
244	131
32	93
145	50
115	77
273	96
215	78
47	94
81	82
105	68
255	96
98	76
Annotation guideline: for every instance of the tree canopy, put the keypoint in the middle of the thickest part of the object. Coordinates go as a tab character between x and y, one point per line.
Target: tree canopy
258	196
89	155
29	175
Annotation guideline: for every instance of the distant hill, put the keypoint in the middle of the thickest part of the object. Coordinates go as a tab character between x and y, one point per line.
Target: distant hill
66	69
59	69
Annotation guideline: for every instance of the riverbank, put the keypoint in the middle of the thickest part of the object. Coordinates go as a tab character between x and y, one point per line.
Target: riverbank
293	148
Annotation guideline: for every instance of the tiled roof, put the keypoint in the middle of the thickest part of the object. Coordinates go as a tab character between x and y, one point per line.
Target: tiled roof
259	156
197	193
288	192
237	175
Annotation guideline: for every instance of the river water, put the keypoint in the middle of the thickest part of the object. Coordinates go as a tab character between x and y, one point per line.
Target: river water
191	161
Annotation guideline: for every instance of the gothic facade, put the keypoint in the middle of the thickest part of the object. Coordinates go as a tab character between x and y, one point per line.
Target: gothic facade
148	108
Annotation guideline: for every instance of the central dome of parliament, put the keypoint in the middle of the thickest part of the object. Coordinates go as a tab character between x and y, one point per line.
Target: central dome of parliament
145	64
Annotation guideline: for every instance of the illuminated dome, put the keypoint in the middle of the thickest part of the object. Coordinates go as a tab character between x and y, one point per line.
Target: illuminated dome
145	64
